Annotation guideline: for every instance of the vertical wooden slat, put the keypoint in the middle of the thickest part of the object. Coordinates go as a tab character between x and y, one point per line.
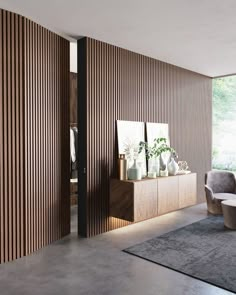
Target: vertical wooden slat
36	141
46	141
17	141
49	140
31	177
13	125
26	138
22	164
9	133
46	136
1	144
5	143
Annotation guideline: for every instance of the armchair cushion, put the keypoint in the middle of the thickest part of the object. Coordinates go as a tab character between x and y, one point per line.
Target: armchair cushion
224	196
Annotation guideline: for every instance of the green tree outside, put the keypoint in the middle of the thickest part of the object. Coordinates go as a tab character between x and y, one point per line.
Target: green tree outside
224	123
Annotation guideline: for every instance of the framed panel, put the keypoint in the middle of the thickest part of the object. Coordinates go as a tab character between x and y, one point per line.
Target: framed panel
157	130
130	134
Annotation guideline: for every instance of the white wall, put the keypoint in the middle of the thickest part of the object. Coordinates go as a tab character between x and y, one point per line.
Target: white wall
73	57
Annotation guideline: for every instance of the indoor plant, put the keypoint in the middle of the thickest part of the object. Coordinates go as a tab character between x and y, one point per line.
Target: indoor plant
159	148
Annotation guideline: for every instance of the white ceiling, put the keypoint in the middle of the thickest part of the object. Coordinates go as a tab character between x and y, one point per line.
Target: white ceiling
198	35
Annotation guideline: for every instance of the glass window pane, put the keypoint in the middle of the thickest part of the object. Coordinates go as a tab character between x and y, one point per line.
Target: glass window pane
224	123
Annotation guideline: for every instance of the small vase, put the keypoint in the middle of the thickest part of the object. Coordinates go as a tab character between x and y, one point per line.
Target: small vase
135	172
122	167
173	167
154	166
163	173
152	175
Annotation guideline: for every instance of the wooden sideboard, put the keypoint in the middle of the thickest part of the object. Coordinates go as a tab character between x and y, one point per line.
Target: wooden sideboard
147	198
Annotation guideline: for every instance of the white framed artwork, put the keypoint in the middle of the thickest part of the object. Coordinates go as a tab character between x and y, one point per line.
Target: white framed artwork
157	130
130	133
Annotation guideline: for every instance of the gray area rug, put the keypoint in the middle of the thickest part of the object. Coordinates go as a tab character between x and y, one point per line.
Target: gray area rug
205	250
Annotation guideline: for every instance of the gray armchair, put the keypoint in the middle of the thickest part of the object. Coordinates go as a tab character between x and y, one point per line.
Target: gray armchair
220	186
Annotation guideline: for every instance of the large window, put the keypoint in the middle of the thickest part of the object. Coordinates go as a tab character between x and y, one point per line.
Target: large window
224	123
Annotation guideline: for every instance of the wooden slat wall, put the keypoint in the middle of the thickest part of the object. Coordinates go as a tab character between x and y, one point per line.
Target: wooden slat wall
123	85
47	136
34	137
11	135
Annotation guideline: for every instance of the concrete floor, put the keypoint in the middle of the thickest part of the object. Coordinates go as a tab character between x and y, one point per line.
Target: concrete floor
98	266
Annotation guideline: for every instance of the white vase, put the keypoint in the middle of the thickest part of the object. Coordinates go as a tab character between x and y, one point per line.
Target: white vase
162	163
154	166
135	172
163	173
173	167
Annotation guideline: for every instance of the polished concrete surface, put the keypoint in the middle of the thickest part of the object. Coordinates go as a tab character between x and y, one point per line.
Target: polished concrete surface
75	266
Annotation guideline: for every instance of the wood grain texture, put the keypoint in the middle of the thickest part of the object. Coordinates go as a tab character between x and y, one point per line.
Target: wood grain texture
12	185
122	200
34	137
73	98
187	190
135	201
47	200
145	199
117	84
168	194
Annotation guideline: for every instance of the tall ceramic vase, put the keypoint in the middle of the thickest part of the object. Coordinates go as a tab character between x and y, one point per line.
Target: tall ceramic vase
173	167
135	172
163	167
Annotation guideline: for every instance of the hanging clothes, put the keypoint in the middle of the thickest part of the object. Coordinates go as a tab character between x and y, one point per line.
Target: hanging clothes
73	152
72	146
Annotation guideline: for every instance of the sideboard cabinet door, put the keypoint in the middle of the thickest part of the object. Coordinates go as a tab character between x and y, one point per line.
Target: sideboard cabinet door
145	199
168	194
187	190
